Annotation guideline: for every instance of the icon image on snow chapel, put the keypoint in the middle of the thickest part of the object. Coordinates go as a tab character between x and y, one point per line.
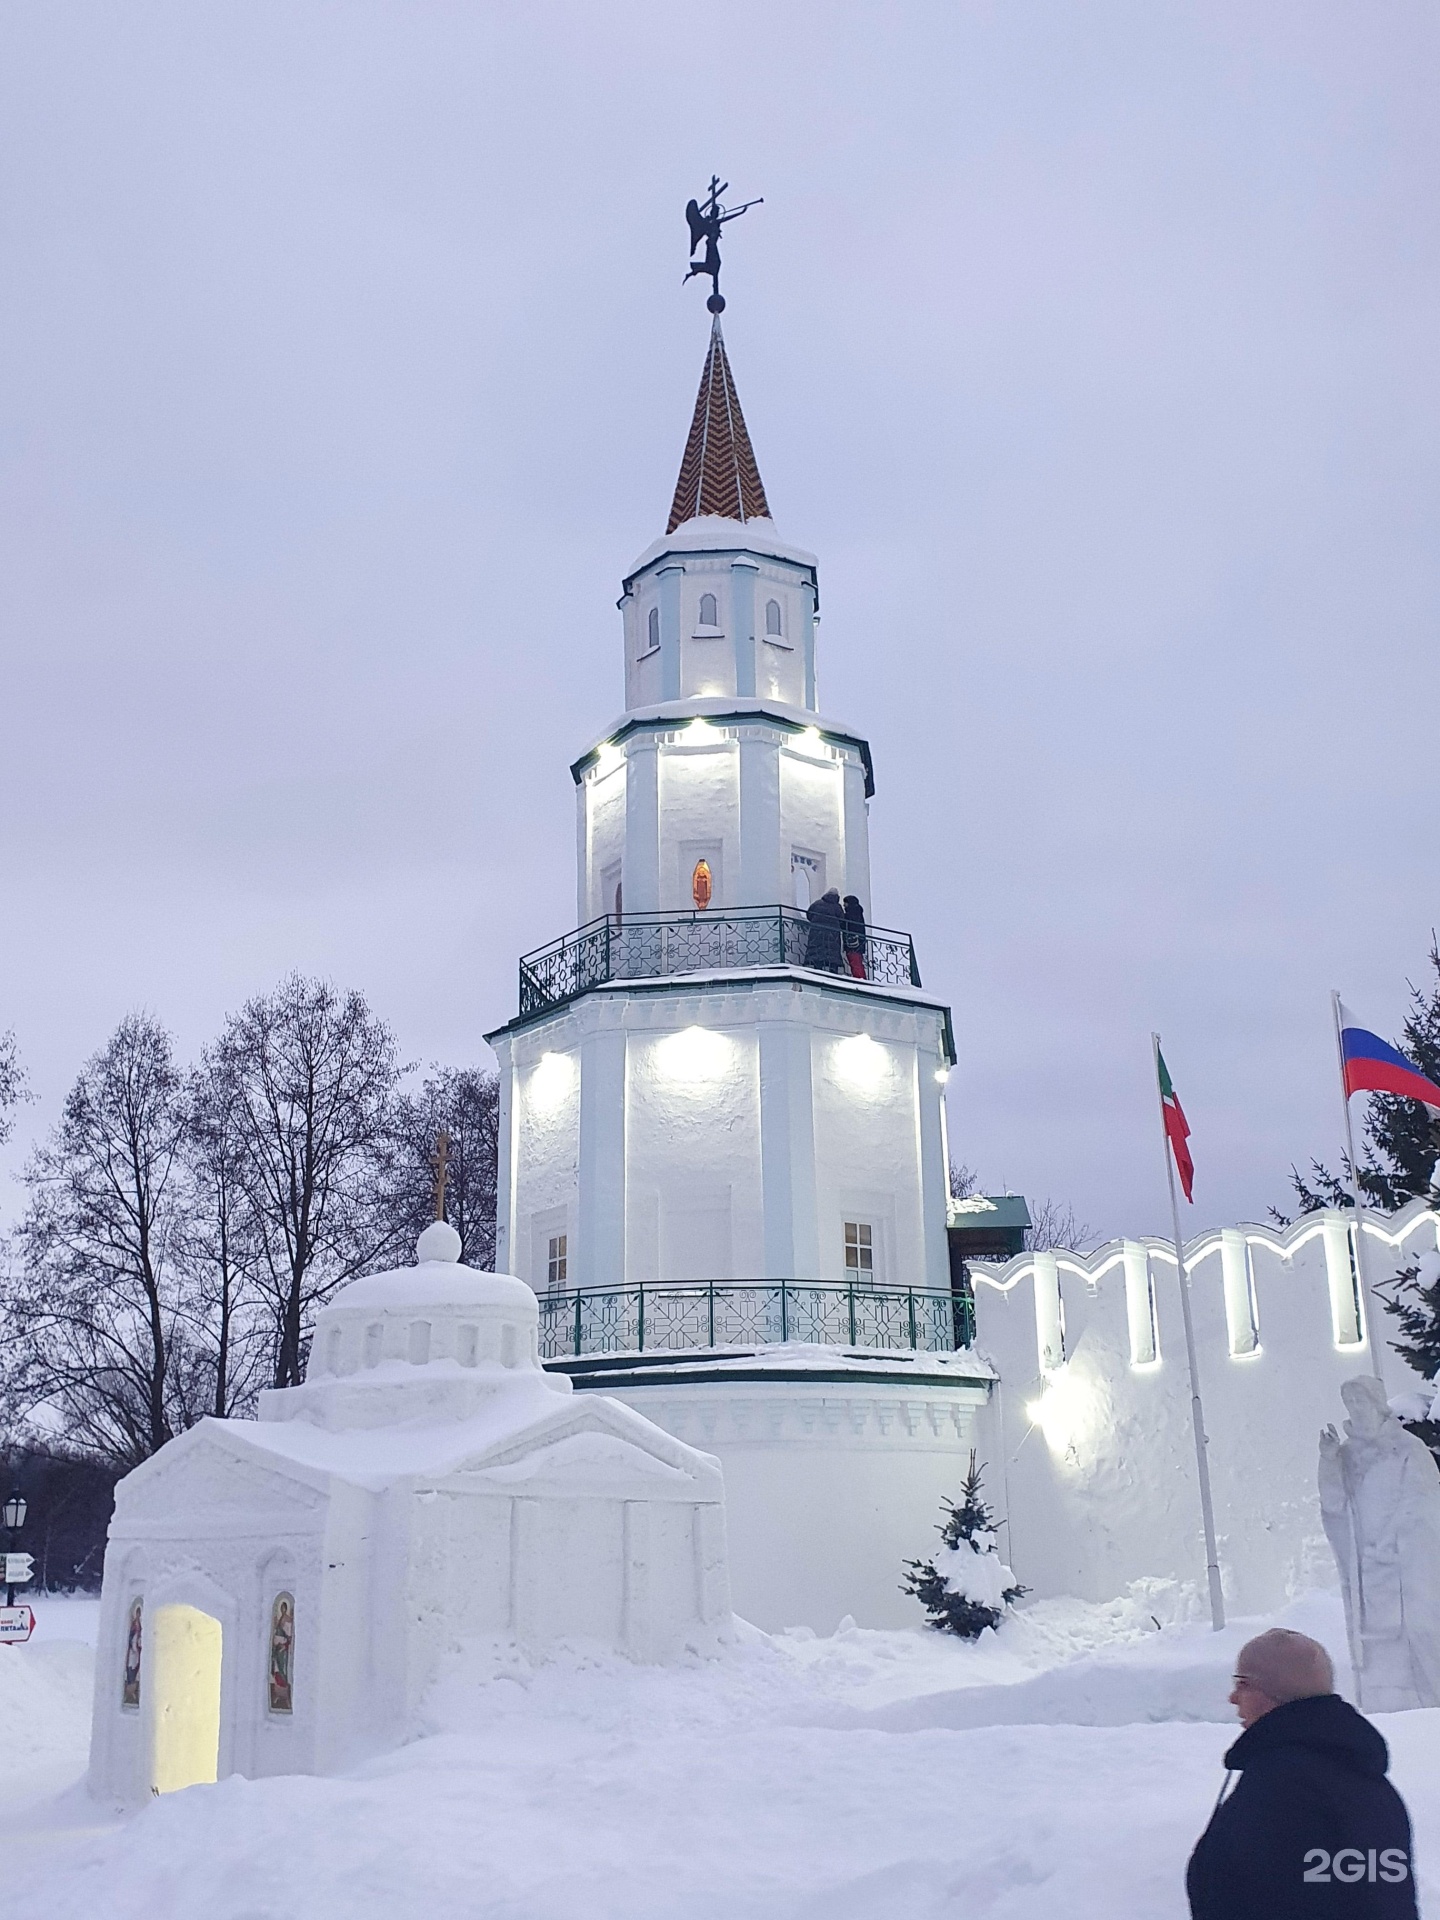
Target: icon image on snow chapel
130	1684
282	1654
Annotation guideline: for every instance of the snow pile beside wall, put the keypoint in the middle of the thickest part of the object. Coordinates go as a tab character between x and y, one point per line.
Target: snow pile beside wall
45	1689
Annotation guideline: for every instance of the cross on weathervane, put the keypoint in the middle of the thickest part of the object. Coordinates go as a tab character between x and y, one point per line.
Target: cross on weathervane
706	218
442	1169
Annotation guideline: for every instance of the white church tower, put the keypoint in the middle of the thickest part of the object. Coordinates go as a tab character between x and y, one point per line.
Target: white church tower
722	1125
698	1087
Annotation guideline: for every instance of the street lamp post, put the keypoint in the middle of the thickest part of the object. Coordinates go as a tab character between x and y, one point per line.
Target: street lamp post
13	1514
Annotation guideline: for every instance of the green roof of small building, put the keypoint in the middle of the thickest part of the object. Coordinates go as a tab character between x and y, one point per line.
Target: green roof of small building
990	1212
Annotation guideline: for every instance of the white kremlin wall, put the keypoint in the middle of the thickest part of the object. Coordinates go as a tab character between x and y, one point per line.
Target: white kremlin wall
1088	1436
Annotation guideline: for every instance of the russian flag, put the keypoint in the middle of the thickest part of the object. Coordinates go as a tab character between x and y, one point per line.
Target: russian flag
1371	1066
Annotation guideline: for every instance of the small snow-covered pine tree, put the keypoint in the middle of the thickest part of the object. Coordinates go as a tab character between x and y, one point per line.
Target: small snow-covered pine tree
971	1587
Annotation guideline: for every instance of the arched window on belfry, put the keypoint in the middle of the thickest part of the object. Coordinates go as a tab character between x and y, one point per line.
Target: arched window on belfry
653	628
772	619
709	613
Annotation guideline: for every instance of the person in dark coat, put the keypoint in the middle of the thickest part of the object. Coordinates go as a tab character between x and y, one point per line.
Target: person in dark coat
823	943
854	936
1313	1829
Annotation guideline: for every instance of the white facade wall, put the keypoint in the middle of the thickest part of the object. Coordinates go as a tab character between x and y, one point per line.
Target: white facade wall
601	829
692	1102
1089	1434
544	1122
744	791
699	816
739	1121
830	1486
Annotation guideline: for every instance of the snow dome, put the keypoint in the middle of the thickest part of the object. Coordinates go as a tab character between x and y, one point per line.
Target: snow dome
434	1341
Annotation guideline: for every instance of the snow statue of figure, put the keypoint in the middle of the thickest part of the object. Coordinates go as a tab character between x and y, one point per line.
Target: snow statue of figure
972	1587
1380	1501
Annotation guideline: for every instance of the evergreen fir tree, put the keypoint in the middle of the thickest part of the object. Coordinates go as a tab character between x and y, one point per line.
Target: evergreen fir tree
969	1535
1414	1299
1416	1305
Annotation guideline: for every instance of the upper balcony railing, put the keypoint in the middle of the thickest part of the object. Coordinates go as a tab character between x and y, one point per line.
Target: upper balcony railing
697	1315
649	946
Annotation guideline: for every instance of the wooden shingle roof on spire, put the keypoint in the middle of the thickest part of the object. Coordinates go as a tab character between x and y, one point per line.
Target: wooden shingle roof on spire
718	474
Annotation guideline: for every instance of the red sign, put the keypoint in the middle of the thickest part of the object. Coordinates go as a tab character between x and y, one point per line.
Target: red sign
16	1623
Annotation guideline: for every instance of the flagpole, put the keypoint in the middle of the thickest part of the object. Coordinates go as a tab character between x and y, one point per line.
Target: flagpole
1373	1308
1197	1411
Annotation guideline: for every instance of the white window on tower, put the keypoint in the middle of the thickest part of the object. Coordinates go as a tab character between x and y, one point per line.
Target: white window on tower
709	612
807	878
557	1263
652	628
860	1253
773	629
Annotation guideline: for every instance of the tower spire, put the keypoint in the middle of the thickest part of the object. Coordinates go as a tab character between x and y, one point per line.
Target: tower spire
718	474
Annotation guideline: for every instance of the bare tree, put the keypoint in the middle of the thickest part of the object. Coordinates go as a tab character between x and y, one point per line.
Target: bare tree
963	1182
314	1077
463	1103
1053	1224
95	1320
221	1243
12	1085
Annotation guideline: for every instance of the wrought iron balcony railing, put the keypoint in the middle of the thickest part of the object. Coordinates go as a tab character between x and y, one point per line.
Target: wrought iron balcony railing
681	1316
648	946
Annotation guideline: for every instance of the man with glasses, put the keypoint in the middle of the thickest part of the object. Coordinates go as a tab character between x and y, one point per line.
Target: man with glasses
1312	1826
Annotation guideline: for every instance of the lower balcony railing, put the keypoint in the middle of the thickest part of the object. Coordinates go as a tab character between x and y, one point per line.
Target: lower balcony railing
641	946
675	1316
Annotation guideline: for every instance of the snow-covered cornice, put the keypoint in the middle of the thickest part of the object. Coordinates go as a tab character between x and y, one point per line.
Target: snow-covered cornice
711	534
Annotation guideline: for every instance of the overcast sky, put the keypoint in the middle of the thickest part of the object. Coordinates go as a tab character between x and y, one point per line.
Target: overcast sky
345	367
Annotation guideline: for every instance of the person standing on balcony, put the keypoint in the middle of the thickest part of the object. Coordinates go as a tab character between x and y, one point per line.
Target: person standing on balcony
824	944
854	937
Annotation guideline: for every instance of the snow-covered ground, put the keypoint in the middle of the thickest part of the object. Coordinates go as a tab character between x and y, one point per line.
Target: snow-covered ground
1062	1766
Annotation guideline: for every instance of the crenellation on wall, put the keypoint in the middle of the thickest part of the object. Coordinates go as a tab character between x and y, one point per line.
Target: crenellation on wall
1091	1425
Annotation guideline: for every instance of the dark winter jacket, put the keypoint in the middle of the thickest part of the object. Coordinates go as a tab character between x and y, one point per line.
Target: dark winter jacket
854	925
1313	1829
827	921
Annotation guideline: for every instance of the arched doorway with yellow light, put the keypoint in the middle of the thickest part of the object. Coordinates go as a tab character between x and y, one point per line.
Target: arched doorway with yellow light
184	1660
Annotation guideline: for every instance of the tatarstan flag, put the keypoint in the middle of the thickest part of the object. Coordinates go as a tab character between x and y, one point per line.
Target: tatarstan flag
1177	1128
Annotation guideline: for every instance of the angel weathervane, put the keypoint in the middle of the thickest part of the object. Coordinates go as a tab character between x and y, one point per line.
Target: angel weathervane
706	218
